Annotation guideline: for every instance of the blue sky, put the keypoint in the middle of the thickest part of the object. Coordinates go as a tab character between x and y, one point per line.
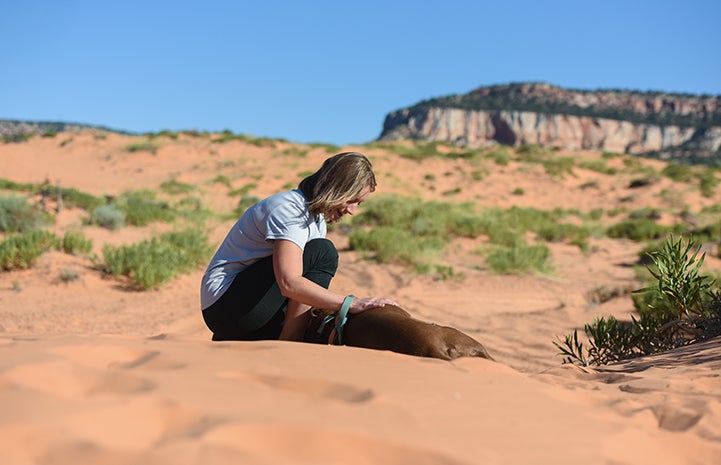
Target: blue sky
329	71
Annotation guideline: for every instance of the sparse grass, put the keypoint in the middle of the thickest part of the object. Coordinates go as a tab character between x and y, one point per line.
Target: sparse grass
18	215
20	251
143	146
17	138
641	229
108	217
68	275
678	172
520	258
75	243
228	136
682	307
141	208
155	261
708	182
175	187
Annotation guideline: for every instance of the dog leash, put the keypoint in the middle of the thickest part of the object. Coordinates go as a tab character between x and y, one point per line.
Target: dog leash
341	318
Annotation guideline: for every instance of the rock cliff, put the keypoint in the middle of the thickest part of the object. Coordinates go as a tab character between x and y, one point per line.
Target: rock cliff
670	126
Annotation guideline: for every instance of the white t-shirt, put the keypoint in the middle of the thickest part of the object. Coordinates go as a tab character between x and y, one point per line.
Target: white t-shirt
280	216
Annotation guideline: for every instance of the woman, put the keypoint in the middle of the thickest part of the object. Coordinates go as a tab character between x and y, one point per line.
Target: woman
275	263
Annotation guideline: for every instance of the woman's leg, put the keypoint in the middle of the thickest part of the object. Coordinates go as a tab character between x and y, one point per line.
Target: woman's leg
320	262
253	307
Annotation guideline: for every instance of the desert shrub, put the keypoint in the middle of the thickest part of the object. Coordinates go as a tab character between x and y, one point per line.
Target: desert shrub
520	258
396	245
228	136
222	179
409	231
175	187
564	232
500	155
637	230
17	215
108	216
75	243
598	166
75	198
155	261
21	251
191	208
677	172
143	146
141	208
559	166
6	184
708	182
17	137
681	308
417	150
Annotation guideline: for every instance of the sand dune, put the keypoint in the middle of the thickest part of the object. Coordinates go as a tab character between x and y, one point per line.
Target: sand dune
92	372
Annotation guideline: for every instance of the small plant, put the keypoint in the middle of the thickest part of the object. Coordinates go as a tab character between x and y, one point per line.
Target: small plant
108	216
678	172
708	182
518	191
153	262
75	243
143	146
520	259
680	309
175	187
642	229
141	208
17	215
21	251
68	275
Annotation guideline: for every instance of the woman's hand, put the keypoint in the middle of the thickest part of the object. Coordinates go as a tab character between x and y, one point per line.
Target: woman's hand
361	305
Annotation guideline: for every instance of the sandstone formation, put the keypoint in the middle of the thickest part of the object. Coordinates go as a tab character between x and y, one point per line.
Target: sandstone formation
670	126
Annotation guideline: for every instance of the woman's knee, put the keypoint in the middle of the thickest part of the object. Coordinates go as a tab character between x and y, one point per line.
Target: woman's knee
320	254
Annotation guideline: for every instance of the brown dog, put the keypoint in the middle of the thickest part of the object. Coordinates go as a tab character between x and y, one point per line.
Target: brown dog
392	328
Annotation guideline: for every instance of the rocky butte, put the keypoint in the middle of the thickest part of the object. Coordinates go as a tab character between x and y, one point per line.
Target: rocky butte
678	127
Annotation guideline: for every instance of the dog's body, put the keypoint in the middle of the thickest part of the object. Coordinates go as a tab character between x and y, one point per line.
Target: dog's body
392	328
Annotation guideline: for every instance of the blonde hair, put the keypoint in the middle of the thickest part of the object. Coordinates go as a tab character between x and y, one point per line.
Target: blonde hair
340	179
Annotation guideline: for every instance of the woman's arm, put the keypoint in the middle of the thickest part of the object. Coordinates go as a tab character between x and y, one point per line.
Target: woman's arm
288	269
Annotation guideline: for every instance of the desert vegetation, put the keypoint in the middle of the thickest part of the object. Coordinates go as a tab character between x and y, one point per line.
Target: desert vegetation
472	196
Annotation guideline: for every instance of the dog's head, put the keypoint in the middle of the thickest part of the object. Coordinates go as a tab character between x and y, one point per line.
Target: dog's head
315	332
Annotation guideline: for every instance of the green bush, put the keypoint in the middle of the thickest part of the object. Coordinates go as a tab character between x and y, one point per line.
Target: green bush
143	146
75	198
21	251
637	230
17	215
395	245
520	259
155	261
681	308
141	208
678	172
175	187
108	216
708	182
75	243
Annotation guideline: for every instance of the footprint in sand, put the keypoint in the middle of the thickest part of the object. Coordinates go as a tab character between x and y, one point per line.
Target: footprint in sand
674	418
310	387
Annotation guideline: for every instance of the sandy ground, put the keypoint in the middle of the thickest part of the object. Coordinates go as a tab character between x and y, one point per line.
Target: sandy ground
94	372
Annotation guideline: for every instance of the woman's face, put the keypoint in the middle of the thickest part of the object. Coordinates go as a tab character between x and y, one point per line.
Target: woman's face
348	208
